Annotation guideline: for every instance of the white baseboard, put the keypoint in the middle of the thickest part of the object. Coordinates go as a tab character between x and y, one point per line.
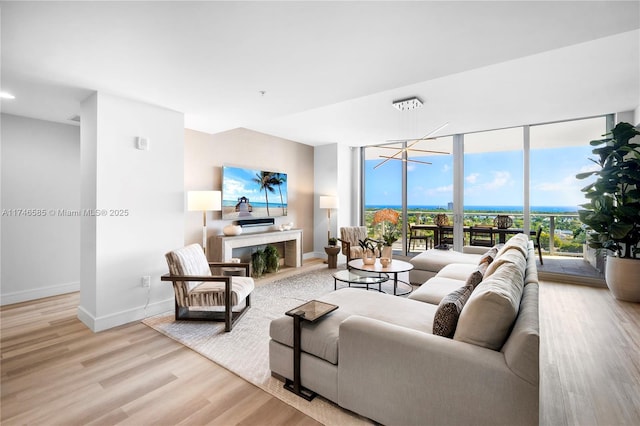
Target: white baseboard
38	293
119	318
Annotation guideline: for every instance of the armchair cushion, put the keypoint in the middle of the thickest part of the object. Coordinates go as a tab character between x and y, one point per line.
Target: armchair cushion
211	293
189	260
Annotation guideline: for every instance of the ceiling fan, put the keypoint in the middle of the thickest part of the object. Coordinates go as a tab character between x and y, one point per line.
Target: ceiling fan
398	155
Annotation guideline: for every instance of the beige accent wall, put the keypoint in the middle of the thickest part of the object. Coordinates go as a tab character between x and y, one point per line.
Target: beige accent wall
205	154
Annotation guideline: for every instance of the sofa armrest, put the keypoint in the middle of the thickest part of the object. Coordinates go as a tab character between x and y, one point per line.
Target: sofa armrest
396	375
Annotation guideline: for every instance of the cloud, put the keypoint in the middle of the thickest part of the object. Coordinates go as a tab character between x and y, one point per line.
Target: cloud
500	179
472	178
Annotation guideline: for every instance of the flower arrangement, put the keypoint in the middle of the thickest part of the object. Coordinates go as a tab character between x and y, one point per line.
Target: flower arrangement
388	221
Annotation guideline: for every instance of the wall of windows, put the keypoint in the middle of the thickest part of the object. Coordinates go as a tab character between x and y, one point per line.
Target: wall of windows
525	172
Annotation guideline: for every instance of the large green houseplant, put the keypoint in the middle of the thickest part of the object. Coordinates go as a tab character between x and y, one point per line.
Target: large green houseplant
613	208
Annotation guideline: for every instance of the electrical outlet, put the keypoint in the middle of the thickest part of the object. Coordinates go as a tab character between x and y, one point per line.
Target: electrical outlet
146	281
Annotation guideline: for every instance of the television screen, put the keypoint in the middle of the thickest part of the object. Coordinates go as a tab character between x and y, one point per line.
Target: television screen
251	193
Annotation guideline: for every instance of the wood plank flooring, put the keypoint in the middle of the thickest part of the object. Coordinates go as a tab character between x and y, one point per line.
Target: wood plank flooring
54	371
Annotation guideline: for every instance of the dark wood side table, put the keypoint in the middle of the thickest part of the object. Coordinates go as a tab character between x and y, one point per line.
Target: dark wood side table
311	311
332	256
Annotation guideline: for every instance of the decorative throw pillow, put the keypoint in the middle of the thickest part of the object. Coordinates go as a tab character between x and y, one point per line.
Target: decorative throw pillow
476	276
490	254
446	317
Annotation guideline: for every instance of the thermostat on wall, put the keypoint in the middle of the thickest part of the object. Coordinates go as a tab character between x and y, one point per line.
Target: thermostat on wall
142	143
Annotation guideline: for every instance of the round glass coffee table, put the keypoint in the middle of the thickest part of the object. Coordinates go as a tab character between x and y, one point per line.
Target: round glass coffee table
360	279
400	288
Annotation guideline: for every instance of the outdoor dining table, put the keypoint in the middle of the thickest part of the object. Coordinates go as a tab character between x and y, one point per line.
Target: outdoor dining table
439	230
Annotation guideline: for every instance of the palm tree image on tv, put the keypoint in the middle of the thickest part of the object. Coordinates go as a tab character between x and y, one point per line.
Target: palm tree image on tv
258	193
281	179
266	182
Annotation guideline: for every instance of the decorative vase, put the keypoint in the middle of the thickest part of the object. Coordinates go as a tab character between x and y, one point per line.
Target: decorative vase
621	275
387	251
231	229
368	257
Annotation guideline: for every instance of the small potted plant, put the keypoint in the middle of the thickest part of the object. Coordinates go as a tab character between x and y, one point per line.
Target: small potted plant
613	209
333	242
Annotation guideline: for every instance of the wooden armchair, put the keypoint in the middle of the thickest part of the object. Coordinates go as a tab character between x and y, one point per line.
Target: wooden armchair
197	290
350	236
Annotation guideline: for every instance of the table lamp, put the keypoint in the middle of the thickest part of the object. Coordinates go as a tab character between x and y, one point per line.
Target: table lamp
204	201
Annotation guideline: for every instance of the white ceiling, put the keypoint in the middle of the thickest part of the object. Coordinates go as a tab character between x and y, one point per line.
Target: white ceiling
330	70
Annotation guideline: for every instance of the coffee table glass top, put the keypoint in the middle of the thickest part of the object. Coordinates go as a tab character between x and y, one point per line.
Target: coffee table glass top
359	277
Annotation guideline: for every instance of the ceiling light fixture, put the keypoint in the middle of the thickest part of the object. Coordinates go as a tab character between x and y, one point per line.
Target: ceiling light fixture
407	104
398	155
6	95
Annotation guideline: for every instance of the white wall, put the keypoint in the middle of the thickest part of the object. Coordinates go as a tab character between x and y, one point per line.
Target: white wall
334	169
41	171
205	154
140	196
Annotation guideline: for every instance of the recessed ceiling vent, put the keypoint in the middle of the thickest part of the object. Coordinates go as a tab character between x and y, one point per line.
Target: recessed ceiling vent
75	118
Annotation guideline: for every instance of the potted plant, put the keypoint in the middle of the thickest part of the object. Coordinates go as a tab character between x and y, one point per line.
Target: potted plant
333	241
388	221
369	250
272	258
613	209
258	263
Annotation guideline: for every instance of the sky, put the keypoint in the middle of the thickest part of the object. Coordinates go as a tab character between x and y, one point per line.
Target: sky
490	179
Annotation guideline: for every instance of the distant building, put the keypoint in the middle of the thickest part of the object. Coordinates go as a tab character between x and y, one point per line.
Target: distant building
450	205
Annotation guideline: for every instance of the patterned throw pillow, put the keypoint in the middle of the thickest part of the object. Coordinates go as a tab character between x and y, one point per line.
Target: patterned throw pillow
476	276
446	317
490	254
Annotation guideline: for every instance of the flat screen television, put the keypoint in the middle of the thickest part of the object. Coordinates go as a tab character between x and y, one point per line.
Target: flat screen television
251	193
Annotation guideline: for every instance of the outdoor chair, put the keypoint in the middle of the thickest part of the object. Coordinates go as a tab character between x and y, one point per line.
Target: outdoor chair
537	244
419	234
481	236
198	292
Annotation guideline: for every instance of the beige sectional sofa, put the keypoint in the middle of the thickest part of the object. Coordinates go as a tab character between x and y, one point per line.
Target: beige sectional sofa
377	355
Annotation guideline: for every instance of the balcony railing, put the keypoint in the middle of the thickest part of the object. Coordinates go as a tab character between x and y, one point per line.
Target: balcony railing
562	233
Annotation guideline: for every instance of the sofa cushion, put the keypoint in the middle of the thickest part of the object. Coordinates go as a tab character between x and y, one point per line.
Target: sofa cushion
321	338
488	315
458	271
511	254
434	259
435	289
446	317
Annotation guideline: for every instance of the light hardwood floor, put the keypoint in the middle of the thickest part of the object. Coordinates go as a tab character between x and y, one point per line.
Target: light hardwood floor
55	371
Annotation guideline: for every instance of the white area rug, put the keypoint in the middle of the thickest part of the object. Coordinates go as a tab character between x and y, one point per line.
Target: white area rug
245	350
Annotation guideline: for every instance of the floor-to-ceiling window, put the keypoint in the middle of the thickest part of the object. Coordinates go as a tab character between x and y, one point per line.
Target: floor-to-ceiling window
383	186
493	183
558	152
527	173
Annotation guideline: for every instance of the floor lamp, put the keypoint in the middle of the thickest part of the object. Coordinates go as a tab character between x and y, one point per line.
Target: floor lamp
328	202
204	201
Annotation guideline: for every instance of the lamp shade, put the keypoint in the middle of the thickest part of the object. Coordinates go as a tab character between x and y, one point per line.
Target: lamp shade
328	202
204	201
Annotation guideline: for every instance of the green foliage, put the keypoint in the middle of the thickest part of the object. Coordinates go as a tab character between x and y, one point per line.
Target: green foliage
258	263
333	241
272	259
613	210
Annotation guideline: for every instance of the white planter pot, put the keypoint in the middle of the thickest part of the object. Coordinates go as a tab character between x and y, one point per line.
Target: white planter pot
623	278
